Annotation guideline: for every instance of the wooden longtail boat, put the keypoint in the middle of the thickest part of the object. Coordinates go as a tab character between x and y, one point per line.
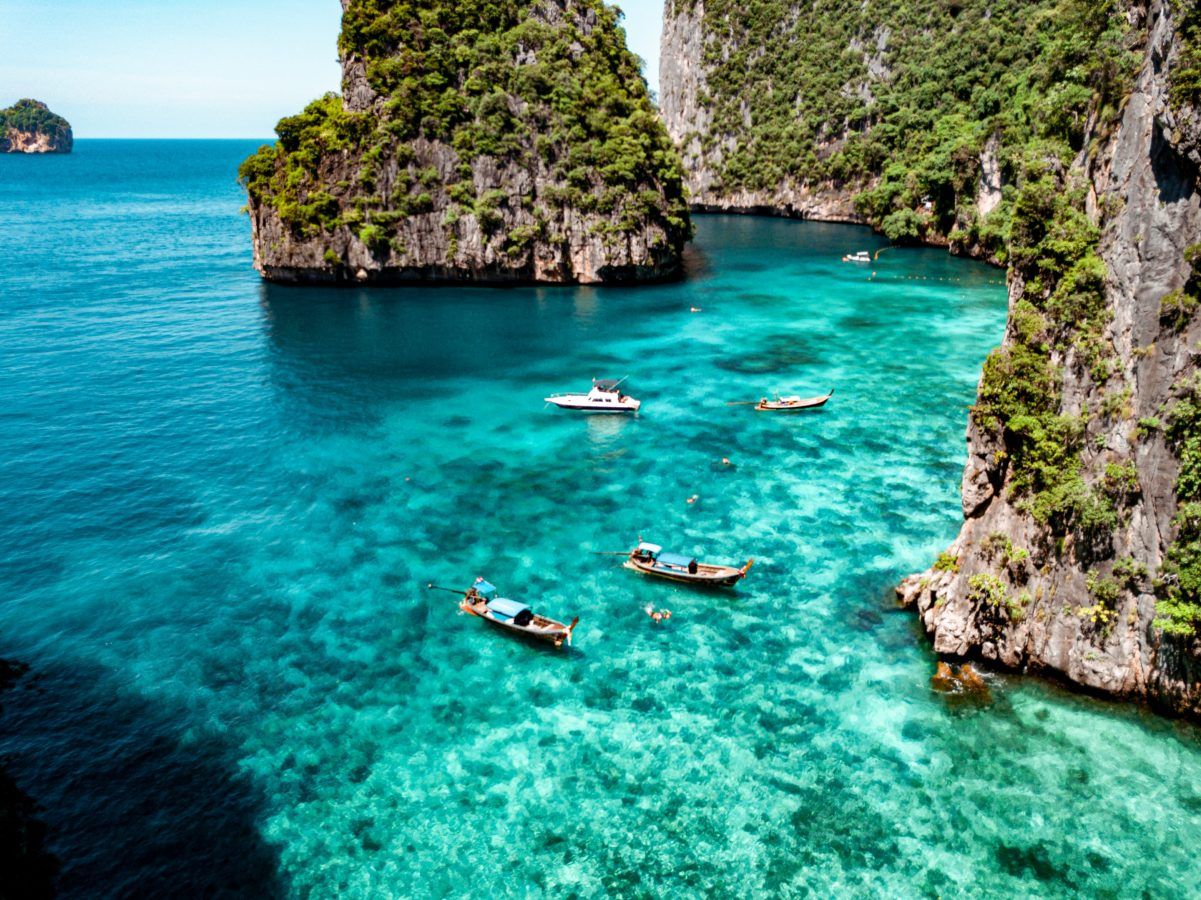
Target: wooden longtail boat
792	404
481	600
650	559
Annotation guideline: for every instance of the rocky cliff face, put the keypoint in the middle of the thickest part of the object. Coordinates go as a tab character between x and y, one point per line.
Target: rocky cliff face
28	126
911	117
473	142
984	126
685	97
1009	589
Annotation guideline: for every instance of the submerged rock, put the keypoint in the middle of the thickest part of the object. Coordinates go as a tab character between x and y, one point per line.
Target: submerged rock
28	126
962	679
473	142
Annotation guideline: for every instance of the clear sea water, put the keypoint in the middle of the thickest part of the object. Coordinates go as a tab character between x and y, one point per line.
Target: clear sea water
220	502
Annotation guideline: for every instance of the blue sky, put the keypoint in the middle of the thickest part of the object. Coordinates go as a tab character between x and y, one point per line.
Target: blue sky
193	68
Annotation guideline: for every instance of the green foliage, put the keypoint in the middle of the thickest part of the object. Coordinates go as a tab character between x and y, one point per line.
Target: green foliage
1121	481
1147	426
946	563
375	237
904	226
1183	433
1103	590
1000	547
909	93
1178	606
904	98
1052	245
492	80
1186	76
1105	593
1130	573
985	588
1178	307
33	117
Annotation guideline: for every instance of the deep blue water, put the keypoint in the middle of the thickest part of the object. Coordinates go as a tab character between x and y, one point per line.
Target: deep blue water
220	502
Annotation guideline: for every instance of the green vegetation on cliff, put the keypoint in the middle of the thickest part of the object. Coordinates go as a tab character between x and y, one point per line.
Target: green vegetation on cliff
922	110
33	117
1179	585
546	88
1186	77
908	94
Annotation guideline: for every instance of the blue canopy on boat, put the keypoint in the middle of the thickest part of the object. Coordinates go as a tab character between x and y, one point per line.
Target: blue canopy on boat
484	587
504	608
674	559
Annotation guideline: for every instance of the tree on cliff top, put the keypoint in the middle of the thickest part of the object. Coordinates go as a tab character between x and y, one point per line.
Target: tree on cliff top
34	117
546	86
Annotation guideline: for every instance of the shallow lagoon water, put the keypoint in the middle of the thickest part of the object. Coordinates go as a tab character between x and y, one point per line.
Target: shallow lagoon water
220	502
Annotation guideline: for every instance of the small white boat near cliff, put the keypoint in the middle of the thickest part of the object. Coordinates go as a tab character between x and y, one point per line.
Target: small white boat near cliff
605	397
861	257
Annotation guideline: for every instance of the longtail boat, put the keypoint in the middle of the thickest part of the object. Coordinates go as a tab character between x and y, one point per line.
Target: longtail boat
481	600
651	559
792	404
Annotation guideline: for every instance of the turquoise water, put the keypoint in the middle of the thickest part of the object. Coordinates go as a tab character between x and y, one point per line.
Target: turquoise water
220	502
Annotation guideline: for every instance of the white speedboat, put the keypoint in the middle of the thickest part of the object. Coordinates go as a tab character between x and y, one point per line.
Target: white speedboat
605	397
861	257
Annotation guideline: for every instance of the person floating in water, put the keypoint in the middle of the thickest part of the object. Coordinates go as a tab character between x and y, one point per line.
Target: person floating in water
658	615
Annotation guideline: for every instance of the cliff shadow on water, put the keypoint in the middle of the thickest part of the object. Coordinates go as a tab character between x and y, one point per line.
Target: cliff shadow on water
129	802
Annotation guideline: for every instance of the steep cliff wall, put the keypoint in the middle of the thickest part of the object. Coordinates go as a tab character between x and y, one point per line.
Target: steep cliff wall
690	48
1101	589
482	141
28	126
1063	139
913	117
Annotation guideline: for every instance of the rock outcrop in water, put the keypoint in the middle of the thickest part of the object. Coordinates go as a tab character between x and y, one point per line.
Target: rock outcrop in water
1104	596
28	126
1062	138
473	141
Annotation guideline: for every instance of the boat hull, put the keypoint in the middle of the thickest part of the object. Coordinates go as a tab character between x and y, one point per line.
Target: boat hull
555	636
584	405
799	406
717	576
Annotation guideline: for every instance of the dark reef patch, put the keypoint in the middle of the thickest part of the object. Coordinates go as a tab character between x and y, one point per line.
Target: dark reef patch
131	806
28	868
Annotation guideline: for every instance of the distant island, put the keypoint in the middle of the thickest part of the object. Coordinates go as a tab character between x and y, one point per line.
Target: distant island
28	126
516	144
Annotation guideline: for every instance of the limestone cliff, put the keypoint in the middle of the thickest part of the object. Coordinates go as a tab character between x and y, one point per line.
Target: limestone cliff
28	126
474	141
911	117
688	53
1074	600
1063	139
